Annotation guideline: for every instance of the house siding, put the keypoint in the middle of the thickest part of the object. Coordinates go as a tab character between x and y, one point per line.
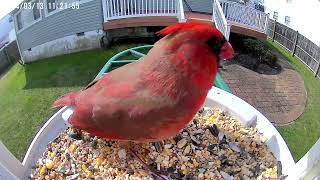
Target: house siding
61	24
203	6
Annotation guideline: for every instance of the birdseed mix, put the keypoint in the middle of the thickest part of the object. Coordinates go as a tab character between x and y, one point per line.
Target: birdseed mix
213	146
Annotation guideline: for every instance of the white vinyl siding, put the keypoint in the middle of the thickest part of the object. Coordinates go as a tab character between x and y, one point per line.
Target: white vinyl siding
53	6
63	23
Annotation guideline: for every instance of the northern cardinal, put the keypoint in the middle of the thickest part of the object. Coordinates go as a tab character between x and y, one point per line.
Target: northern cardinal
156	97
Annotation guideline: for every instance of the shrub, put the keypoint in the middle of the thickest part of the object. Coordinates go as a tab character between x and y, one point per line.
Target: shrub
254	47
259	50
270	58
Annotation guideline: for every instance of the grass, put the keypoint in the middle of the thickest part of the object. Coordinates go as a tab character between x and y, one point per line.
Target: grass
27	92
304	132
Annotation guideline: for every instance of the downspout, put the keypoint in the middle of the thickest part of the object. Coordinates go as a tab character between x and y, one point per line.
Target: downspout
21	60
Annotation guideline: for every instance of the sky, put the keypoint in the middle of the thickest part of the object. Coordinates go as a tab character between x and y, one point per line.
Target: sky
7	6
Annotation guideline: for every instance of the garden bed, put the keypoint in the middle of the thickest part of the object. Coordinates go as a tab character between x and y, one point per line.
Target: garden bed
255	55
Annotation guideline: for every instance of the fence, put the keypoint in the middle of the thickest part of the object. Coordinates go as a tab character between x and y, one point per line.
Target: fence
8	56
297	44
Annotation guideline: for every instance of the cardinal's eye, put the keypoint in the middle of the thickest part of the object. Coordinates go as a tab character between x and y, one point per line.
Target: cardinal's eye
215	44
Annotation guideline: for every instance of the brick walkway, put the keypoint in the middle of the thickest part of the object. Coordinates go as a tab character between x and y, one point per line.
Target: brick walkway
281	98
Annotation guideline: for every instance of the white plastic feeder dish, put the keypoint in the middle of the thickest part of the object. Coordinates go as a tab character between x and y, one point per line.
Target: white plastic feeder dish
235	106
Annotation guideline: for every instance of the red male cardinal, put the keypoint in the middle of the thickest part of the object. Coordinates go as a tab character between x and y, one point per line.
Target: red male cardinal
156	97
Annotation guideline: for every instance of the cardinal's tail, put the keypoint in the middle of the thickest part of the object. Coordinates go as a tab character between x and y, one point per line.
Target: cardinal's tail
66	100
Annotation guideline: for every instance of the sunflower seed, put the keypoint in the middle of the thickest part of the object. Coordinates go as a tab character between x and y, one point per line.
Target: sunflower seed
214	130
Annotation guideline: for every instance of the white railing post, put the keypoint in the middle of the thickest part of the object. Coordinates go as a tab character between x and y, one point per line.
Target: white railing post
104	10
121	8
180	11
220	20
228	31
212	19
266	23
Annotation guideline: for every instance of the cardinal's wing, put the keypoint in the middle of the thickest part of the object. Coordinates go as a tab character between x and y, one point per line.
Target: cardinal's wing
125	104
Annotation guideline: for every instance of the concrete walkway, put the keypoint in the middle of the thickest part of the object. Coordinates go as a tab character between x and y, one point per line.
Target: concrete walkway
281	98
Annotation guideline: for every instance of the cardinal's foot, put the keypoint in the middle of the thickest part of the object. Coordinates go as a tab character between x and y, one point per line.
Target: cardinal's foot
154	173
159	146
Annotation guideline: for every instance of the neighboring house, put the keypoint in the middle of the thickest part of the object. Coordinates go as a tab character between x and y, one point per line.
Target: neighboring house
299	15
7	32
2	44
12	35
4	40
46	31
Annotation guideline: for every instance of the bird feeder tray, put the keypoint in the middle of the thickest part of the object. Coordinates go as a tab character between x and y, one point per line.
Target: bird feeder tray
225	102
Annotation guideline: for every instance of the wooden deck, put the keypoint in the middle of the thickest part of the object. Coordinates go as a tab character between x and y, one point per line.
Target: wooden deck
241	29
168	20
198	17
140	21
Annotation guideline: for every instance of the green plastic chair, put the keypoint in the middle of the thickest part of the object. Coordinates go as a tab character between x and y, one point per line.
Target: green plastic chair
139	52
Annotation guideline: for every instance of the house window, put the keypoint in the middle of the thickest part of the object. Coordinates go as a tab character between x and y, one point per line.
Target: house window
36	11
19	21
287	20
259	2
51	5
275	15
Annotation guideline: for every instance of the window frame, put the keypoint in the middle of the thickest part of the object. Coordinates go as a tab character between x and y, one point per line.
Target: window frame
287	20
46	9
33	11
28	25
275	15
19	25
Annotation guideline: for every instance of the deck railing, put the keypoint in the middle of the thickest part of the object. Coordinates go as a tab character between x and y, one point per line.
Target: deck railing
180	11
117	9
224	12
220	20
245	15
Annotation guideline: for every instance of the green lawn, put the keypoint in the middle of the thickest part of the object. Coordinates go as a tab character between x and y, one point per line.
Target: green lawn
27	92
305	131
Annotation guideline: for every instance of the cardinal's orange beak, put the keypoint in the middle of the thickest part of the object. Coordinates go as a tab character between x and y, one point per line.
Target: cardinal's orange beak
226	51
